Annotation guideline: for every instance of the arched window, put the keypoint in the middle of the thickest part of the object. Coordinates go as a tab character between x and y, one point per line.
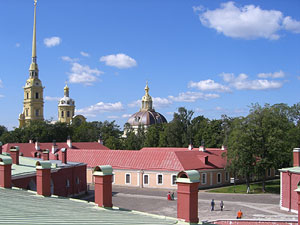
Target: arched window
62	113
68	113
37	112
36	95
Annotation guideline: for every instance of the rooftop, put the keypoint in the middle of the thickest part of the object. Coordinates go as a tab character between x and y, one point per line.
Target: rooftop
36	209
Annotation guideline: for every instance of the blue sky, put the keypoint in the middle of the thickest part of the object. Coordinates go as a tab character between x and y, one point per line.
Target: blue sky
213	57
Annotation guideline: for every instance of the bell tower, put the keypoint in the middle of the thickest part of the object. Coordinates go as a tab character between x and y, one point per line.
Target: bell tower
147	100
66	107
33	104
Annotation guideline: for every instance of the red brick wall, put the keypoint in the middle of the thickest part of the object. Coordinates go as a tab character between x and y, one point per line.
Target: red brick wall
59	178
287	199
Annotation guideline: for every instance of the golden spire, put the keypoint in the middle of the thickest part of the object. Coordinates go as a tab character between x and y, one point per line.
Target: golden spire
66	90
147	100
33	65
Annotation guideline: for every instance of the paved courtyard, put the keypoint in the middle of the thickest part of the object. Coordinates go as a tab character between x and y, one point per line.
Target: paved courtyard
253	206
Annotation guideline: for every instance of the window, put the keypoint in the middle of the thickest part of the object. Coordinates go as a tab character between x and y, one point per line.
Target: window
127	178
159	179
77	180
62	113
36	112
203	178
67	183
174	179
269	172
27	95
36	95
26	112
227	176
68	113
219	178
146	179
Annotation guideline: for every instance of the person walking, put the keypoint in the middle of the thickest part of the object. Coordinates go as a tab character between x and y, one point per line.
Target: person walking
173	196
212	204
221	205
169	196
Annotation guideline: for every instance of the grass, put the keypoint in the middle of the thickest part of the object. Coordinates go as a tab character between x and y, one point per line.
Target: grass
272	187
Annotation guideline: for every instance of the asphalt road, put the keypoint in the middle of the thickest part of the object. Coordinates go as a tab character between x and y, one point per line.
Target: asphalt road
253	206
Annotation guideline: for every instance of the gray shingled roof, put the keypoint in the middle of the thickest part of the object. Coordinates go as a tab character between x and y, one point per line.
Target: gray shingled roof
25	207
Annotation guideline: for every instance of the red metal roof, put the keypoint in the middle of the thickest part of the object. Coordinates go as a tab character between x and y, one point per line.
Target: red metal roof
149	160
28	149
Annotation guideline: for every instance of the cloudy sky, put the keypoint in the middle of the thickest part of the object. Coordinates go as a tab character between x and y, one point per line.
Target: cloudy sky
213	57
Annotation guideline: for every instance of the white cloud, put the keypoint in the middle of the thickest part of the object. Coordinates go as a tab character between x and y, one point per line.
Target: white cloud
126	115
1	84
18	45
161	102
52	41
49	98
209	85
2	96
85	54
83	74
247	22
279	74
137	103
192	96
291	25
69	59
99	108
120	61
241	82
113	117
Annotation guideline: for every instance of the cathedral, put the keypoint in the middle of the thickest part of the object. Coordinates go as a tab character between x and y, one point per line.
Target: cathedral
33	104
146	116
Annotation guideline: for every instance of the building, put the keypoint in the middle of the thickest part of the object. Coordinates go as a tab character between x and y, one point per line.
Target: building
289	182
67	178
66	107
33	105
146	116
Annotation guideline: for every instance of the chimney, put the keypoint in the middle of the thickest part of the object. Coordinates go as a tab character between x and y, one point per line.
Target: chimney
204	160
190	146
37	145
0	148
54	147
69	142
5	171
296	157
103	185
14	154
202	147
30	141
43	178
100	140
223	147
187	195
45	155
64	155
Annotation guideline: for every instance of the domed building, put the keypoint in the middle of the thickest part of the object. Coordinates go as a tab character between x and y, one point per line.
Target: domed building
147	115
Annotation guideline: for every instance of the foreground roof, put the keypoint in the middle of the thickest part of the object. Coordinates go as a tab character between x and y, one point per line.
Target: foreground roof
35	209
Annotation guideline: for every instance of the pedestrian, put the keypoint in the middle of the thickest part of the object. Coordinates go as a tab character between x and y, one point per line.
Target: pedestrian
172	196
239	214
221	205
212	204
169	196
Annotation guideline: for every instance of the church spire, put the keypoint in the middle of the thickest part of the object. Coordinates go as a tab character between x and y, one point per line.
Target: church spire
66	91
33	66
147	100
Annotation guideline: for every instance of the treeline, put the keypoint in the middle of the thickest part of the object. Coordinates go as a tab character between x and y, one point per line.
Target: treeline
261	140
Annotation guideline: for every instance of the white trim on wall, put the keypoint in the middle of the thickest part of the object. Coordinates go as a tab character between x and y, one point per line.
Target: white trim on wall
205	175
219	182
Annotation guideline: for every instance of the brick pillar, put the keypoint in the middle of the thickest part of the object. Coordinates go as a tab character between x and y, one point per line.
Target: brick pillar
296	157
64	155
5	171
187	196
14	154
45	155
298	192
103	186
43	178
